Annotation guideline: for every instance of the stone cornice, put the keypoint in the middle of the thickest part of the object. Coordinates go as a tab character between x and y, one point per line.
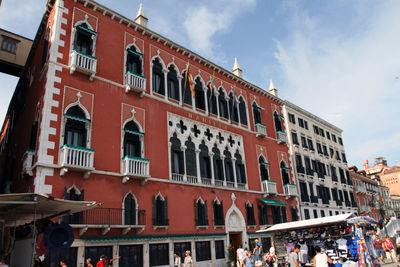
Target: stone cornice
178	48
312	116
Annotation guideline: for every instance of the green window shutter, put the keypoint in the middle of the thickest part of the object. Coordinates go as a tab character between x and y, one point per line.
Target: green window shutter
196	215
222	213
165	211
205	212
154	211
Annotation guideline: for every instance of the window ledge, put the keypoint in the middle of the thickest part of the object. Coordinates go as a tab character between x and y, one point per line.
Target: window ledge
155	227
201	227
251	226
219	226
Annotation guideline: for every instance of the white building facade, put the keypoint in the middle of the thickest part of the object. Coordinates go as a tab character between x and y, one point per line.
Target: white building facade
320	164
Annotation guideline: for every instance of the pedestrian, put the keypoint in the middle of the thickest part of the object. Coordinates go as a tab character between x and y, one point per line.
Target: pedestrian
321	259
378	245
294	257
188	260
398	245
239	256
257	252
389	249
270	258
248	260
89	262
62	264
177	260
102	261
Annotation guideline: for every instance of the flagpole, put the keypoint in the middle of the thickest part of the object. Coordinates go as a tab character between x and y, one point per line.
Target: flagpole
184	83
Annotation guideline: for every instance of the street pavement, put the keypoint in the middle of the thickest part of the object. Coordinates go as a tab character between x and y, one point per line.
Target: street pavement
388	263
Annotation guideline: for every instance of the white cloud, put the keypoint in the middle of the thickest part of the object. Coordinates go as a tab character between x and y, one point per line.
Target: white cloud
349	80
203	22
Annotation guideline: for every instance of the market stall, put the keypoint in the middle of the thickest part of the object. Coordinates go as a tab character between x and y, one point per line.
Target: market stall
340	236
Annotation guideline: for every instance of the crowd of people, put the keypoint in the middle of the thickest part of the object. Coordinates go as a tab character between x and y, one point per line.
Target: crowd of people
255	258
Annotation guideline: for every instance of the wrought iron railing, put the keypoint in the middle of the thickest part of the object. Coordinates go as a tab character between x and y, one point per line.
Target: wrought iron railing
110	216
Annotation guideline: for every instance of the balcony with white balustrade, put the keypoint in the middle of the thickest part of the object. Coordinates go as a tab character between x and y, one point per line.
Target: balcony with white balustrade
83	63
135	82
290	190
281	137
27	162
261	130
76	158
135	167
269	187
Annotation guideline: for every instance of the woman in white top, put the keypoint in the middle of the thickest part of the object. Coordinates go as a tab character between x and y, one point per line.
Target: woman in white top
321	259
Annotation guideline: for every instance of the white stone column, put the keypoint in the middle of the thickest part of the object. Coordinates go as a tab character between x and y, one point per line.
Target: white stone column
183	148
115	255
229	108
216	94
170	159
206	102
211	154
223	167
165	84
180	89
198	165
146	254
234	171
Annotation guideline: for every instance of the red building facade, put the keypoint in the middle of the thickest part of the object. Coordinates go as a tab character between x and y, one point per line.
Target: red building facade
113	119
367	194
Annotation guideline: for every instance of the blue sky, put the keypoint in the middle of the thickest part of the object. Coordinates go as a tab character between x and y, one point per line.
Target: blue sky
337	59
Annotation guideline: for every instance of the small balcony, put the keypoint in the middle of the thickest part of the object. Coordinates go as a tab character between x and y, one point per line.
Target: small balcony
83	63
77	159
135	82
27	162
290	190
135	167
107	219
281	137
269	187
300	170
261	130
361	189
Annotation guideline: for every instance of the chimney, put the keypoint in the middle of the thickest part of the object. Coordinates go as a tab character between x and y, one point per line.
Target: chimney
365	163
272	90
141	17
236	69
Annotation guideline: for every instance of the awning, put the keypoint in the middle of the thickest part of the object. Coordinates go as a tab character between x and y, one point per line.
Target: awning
273	202
19	209
309	223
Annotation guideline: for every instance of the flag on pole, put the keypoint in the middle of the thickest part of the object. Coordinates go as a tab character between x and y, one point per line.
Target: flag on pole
191	84
234	99
211	84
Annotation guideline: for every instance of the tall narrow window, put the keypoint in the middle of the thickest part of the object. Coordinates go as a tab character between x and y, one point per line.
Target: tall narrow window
250	214
257	113
285	173
205	163
223	104
74	195
264	169
199	95
33	139
295	141
263	214
173	83
75	127
186	93
191	168
212	101
132	143
228	166
158	77
218	212
233	106
83	39
160	211
242	111
200	209
133	60
277	121
176	156
240	170
130	210
218	165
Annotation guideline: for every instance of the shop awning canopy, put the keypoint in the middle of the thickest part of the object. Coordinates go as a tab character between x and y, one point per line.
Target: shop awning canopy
272	202
19	209
309	223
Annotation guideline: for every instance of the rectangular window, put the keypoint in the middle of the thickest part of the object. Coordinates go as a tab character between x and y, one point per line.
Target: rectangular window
262	214
219	249
294	138
315	127
325	150
306	214
306	124
340	141
250	215
303	142
315	214
284	214
310	144
203	251
293	211
330	213
322	213
334	138
159	254
176	162
292	118
181	247
319	148
301	122
9	45
321	132
303	192
328	135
